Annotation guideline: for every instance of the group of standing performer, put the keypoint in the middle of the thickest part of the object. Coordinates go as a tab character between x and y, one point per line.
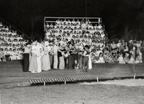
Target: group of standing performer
47	55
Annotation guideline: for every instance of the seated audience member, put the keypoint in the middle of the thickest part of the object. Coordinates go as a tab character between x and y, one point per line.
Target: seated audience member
113	45
121	59
108	56
115	57
119	43
101	59
13	54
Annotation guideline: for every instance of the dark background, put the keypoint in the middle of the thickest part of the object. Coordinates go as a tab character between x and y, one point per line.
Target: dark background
122	18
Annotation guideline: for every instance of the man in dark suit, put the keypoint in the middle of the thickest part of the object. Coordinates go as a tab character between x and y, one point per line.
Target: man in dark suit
26	58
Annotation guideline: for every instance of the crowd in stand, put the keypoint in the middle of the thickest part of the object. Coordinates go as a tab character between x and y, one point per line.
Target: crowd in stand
11	44
94	35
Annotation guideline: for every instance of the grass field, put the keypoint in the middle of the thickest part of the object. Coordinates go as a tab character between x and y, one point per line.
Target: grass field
73	94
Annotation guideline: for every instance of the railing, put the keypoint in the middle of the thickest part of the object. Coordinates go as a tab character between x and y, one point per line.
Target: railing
93	20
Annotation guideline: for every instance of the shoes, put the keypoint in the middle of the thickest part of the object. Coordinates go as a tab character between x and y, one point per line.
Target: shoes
36	72
33	72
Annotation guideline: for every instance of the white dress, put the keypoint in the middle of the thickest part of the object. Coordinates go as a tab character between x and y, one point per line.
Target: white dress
90	63
55	50
45	58
39	53
131	61
101	60
121	60
33	60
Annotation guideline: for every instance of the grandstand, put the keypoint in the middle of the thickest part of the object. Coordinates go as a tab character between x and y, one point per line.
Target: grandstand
11	43
86	29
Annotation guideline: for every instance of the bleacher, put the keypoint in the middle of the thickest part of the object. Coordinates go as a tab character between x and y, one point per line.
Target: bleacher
11	43
86	30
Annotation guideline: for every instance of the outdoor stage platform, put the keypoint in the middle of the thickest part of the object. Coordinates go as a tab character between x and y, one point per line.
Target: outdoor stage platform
11	72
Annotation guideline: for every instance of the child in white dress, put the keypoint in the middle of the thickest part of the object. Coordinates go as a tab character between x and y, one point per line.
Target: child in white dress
121	59
101	59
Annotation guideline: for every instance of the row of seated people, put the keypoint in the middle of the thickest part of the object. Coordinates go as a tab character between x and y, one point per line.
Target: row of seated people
11	54
87	26
76	30
120	52
74	24
11	43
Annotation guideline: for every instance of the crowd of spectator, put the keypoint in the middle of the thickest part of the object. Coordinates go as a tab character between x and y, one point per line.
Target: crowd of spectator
11	44
94	35
73	36
119	52
77	30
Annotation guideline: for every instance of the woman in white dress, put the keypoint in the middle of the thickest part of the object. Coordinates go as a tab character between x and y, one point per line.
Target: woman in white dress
33	60
45	57
55	52
61	58
39	56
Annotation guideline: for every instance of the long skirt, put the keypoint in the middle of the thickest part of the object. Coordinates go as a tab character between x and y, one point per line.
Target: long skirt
61	62
143	56
39	64
90	63
45	63
66	62
85	63
33	65
51	61
70	62
75	60
55	64
80	61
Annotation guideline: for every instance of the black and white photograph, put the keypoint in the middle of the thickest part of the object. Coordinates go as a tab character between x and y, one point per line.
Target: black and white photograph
71	51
